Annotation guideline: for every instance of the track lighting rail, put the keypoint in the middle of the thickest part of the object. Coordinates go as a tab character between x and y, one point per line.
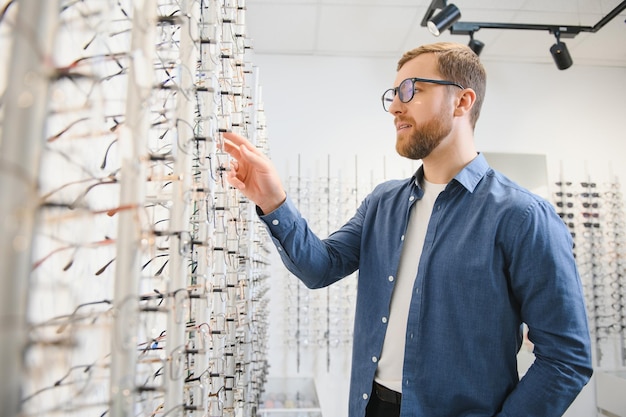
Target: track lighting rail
449	15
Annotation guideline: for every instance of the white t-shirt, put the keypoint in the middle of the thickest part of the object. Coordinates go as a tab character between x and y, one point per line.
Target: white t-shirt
389	372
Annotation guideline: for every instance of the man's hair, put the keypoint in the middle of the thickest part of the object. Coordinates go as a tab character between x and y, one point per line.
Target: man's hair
458	63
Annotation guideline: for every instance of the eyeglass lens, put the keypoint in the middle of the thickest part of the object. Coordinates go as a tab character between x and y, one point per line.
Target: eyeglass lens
406	90
405	93
388	98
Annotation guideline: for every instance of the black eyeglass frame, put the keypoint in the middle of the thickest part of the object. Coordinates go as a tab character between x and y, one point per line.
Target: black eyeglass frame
413	81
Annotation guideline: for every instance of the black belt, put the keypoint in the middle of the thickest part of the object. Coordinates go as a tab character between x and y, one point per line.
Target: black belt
387	395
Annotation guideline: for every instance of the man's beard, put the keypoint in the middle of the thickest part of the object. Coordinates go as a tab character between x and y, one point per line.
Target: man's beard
424	139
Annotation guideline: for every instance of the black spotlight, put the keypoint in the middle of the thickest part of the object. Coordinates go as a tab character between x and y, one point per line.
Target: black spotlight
444	19
561	55
475	45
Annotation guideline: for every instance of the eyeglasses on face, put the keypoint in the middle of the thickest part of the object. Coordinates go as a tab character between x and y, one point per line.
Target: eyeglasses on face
406	90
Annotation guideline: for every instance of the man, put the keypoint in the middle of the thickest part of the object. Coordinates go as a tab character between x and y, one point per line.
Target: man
451	262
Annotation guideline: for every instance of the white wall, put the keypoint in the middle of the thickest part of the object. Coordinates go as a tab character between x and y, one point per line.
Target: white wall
320	106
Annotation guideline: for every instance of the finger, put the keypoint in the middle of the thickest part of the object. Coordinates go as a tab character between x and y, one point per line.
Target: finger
232	179
252	155
235	182
240	141
234	138
231	148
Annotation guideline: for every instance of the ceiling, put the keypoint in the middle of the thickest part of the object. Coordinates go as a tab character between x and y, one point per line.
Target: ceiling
387	28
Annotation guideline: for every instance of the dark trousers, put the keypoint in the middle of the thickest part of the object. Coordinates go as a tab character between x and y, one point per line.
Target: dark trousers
379	408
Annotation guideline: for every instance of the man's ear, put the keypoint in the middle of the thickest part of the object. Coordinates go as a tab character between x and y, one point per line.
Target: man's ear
465	101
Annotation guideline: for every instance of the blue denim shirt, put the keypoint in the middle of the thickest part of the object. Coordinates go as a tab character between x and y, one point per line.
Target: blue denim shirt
495	256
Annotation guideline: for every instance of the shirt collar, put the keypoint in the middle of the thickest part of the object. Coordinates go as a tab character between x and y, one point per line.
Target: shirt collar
468	177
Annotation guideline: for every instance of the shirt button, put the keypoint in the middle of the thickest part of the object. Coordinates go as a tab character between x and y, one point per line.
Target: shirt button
275	222
374	359
384	319
402	237
365	396
412	198
411	336
390	278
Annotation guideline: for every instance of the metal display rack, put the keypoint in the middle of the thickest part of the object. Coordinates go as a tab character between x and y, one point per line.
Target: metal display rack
594	213
132	276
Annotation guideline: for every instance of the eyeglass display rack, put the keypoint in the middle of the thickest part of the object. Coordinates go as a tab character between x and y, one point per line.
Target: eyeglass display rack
317	324
133	278
594	213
